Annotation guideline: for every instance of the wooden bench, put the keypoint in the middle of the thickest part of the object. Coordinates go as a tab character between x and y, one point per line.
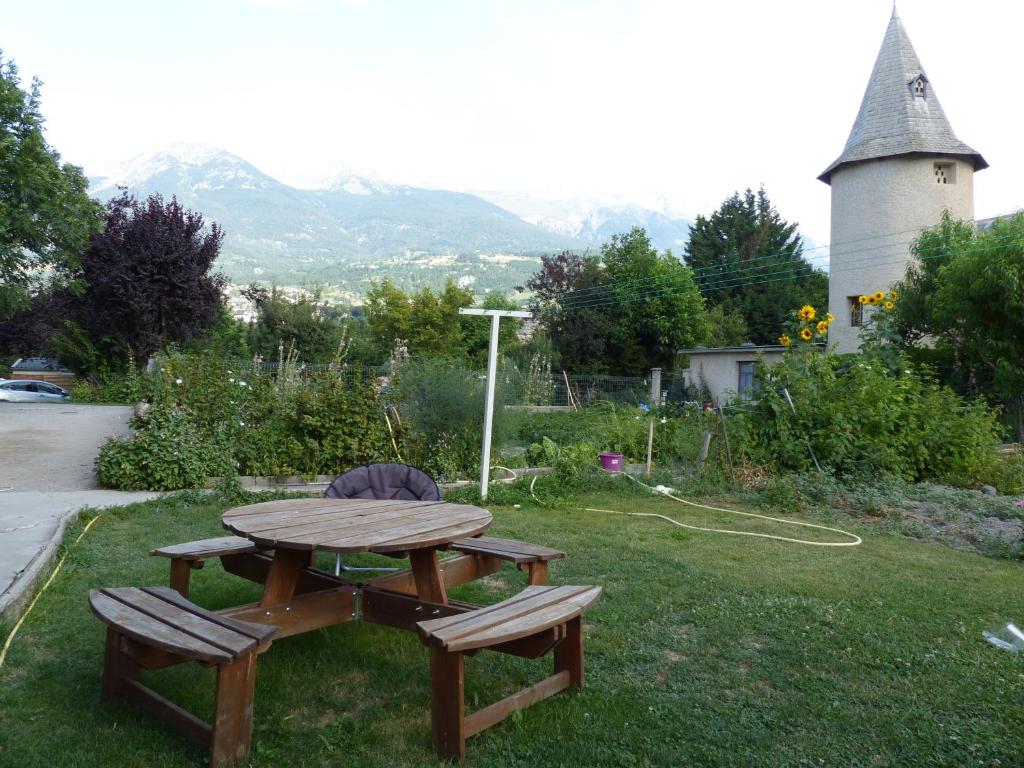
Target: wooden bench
527	557
536	612
155	627
192	555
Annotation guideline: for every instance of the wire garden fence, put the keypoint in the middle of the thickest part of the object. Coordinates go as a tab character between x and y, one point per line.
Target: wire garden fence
533	387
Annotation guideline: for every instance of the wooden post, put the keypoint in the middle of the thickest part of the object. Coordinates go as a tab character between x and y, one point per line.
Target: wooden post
232	711
655	401
569	652
284	573
427	574
538	573
448	706
117	667
705	444
180	571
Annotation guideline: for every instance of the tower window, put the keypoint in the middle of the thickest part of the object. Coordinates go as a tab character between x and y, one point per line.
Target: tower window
919	85
945	173
856	311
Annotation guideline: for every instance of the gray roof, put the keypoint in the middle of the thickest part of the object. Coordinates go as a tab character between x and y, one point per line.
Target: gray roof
39	364
744	348
892	120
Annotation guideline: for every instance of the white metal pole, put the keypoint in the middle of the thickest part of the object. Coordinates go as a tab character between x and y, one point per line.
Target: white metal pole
492	369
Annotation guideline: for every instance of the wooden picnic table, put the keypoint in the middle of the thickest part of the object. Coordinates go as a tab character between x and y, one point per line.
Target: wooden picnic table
296	528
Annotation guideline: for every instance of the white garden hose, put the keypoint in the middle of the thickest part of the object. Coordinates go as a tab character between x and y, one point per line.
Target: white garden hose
855	539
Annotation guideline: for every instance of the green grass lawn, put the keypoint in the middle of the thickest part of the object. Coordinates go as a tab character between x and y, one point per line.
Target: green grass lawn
705	650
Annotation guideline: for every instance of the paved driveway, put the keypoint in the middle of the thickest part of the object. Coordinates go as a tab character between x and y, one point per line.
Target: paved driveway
52	447
46	475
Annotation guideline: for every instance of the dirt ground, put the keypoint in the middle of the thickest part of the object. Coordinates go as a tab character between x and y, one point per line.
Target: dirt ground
52	447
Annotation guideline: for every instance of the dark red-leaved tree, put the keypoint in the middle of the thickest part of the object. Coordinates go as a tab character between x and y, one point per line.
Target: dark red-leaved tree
147	277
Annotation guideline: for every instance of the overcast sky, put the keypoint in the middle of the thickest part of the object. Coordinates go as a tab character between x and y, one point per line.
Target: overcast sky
680	100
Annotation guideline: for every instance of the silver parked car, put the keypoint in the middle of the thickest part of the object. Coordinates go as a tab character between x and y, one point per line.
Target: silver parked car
29	391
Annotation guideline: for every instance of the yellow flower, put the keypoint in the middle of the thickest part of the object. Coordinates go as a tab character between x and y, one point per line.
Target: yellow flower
822	327
806	313
889	305
873	299
830	318
806	334
784	340
894	296
863	299
878	296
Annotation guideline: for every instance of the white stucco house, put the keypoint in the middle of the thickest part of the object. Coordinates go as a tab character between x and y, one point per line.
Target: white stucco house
727	373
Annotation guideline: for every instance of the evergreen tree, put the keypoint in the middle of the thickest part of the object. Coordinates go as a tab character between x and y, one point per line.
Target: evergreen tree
749	260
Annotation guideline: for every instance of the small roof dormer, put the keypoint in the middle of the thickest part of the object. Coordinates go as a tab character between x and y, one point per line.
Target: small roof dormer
900	113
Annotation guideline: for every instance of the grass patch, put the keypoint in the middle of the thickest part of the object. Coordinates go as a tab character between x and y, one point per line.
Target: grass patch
704	650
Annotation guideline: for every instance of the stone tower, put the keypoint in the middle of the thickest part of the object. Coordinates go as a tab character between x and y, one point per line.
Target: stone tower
901	168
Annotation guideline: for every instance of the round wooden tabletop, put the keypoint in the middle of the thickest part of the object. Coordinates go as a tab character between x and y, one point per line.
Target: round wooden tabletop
355	525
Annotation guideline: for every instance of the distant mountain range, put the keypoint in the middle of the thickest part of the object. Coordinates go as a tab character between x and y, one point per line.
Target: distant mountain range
352	229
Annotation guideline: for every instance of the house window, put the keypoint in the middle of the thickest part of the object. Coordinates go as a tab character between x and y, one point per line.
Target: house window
945	173
856	311
919	87
747	385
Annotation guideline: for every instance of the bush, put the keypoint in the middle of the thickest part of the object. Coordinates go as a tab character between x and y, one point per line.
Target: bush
442	406
167	452
861	416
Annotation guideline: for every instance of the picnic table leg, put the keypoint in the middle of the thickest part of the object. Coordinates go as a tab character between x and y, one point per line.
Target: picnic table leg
232	715
284	575
569	652
447	707
117	667
180	571
426	572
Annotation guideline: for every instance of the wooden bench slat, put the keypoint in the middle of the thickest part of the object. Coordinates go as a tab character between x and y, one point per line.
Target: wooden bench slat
519	552
207	548
261	633
533	610
194	624
149	631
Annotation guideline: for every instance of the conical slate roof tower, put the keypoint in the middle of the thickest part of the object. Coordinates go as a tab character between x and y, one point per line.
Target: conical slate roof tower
902	166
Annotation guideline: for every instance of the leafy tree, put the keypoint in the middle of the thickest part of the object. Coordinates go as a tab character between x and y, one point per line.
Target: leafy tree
577	334
962	302
749	260
476	331
624	311
726	329
428	322
147	281
46	215
301	323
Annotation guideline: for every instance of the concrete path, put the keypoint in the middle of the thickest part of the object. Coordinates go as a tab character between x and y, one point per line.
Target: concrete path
32	527
46	476
52	446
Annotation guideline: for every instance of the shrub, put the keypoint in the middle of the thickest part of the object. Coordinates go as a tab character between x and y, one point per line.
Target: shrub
166	453
859	415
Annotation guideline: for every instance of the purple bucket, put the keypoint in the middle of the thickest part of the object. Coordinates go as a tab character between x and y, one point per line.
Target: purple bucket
611	462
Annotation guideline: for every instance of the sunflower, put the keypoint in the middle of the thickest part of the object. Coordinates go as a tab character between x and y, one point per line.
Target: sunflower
806	334
806	313
894	295
873	299
889	305
822	327
784	340
863	299
830	318
878	296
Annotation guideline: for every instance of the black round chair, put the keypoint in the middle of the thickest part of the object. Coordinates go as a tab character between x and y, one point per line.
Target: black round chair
381	481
